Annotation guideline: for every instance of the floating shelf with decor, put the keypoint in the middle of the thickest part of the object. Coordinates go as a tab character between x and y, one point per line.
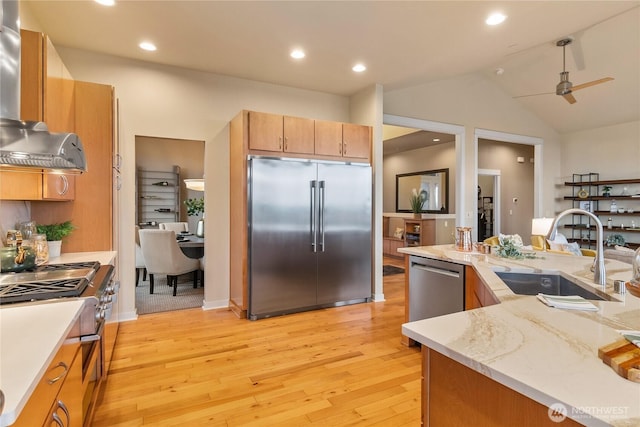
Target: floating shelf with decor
617	200
158	197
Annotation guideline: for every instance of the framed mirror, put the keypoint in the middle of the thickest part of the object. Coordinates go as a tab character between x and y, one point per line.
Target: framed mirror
433	185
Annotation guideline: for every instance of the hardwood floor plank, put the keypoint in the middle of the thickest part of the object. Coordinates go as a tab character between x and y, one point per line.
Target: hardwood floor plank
331	367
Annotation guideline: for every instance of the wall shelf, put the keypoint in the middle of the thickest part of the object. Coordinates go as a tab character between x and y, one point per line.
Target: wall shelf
158	203
583	229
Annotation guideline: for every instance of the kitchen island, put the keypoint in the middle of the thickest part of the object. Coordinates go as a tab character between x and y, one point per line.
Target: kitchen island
32	336
510	362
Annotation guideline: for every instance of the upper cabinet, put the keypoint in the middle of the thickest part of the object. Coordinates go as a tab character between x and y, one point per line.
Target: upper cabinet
307	137
342	139
274	132
46	86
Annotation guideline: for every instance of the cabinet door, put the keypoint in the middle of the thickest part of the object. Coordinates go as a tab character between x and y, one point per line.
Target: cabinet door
328	138
265	131
20	185
298	135
356	141
31	76
428	232
58	186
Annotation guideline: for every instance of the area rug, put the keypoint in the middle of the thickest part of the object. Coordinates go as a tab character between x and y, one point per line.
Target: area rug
388	270
162	298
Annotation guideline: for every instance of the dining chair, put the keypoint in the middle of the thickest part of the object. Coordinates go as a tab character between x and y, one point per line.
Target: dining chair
174	226
140	265
162	255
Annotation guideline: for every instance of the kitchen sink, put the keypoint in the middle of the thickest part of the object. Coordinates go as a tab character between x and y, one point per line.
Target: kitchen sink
550	284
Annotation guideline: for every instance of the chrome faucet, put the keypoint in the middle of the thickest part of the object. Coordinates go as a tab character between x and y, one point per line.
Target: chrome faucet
599	273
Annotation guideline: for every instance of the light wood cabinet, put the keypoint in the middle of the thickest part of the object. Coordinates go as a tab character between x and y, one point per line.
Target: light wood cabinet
46	86
476	293
36	185
91	210
274	132
419	232
342	139
456	395
302	137
62	382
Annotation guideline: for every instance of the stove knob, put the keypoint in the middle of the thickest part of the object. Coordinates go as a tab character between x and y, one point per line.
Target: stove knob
100	315
105	299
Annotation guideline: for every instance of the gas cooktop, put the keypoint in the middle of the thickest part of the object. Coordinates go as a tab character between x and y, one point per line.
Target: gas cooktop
47	281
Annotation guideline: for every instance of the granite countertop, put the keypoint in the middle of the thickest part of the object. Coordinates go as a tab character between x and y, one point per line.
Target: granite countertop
547	354
30	336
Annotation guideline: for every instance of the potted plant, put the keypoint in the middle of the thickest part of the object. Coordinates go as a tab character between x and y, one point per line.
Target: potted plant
606	191
195	206
417	202
55	233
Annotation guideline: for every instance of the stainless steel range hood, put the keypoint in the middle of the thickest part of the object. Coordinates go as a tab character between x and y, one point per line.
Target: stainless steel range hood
27	144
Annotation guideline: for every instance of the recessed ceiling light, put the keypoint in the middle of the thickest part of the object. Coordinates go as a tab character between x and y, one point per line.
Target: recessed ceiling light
436	139
147	46
495	19
358	68
106	2
297	54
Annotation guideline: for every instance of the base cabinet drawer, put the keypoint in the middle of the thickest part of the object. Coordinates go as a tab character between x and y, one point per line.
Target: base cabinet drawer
53	394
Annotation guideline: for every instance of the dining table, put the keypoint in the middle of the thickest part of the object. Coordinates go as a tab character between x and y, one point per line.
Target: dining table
192	246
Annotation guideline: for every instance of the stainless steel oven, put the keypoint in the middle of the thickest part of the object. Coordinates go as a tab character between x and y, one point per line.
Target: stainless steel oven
95	284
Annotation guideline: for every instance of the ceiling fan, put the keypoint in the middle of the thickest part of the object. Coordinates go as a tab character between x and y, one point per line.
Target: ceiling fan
565	88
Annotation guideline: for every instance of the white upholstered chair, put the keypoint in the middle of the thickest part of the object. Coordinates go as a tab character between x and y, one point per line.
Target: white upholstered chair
140	265
174	226
162	255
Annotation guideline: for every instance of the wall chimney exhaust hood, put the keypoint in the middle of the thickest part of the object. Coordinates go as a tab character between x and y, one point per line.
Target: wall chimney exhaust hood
27	144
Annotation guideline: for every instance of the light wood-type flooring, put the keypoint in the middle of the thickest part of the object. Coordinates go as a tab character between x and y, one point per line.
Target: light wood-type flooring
335	367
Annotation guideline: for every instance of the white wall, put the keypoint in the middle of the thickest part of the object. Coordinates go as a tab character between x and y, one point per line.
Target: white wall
439	156
171	102
474	102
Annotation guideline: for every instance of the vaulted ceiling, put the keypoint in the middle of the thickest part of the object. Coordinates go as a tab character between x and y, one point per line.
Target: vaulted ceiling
401	43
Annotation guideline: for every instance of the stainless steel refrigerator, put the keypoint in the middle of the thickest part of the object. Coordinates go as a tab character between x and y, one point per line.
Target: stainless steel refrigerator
309	235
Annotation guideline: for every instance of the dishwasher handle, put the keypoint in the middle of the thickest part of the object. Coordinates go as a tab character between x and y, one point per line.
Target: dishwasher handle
436	270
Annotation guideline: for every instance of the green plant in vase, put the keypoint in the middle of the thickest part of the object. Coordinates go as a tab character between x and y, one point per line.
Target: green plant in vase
54	234
417	201
195	206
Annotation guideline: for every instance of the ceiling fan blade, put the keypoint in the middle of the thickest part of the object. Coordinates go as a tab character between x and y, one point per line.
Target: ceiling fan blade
570	99
593	83
534	94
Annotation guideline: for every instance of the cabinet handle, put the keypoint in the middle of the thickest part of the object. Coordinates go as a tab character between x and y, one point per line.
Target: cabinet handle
280	142
339	147
286	143
65	185
344	148
56	419
59	377
62	406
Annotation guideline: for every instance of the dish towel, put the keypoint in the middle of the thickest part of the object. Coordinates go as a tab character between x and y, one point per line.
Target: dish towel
571	302
633	336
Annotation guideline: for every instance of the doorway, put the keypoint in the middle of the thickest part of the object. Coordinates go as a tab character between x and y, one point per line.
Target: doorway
184	159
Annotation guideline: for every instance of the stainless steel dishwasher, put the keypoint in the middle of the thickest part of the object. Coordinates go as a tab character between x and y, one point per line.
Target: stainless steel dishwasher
435	288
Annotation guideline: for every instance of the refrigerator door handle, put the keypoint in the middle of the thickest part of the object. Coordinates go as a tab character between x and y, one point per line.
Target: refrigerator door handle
314	234
321	213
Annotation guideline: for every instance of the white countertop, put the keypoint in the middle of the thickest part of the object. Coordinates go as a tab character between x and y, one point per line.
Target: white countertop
104	257
547	354
30	336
